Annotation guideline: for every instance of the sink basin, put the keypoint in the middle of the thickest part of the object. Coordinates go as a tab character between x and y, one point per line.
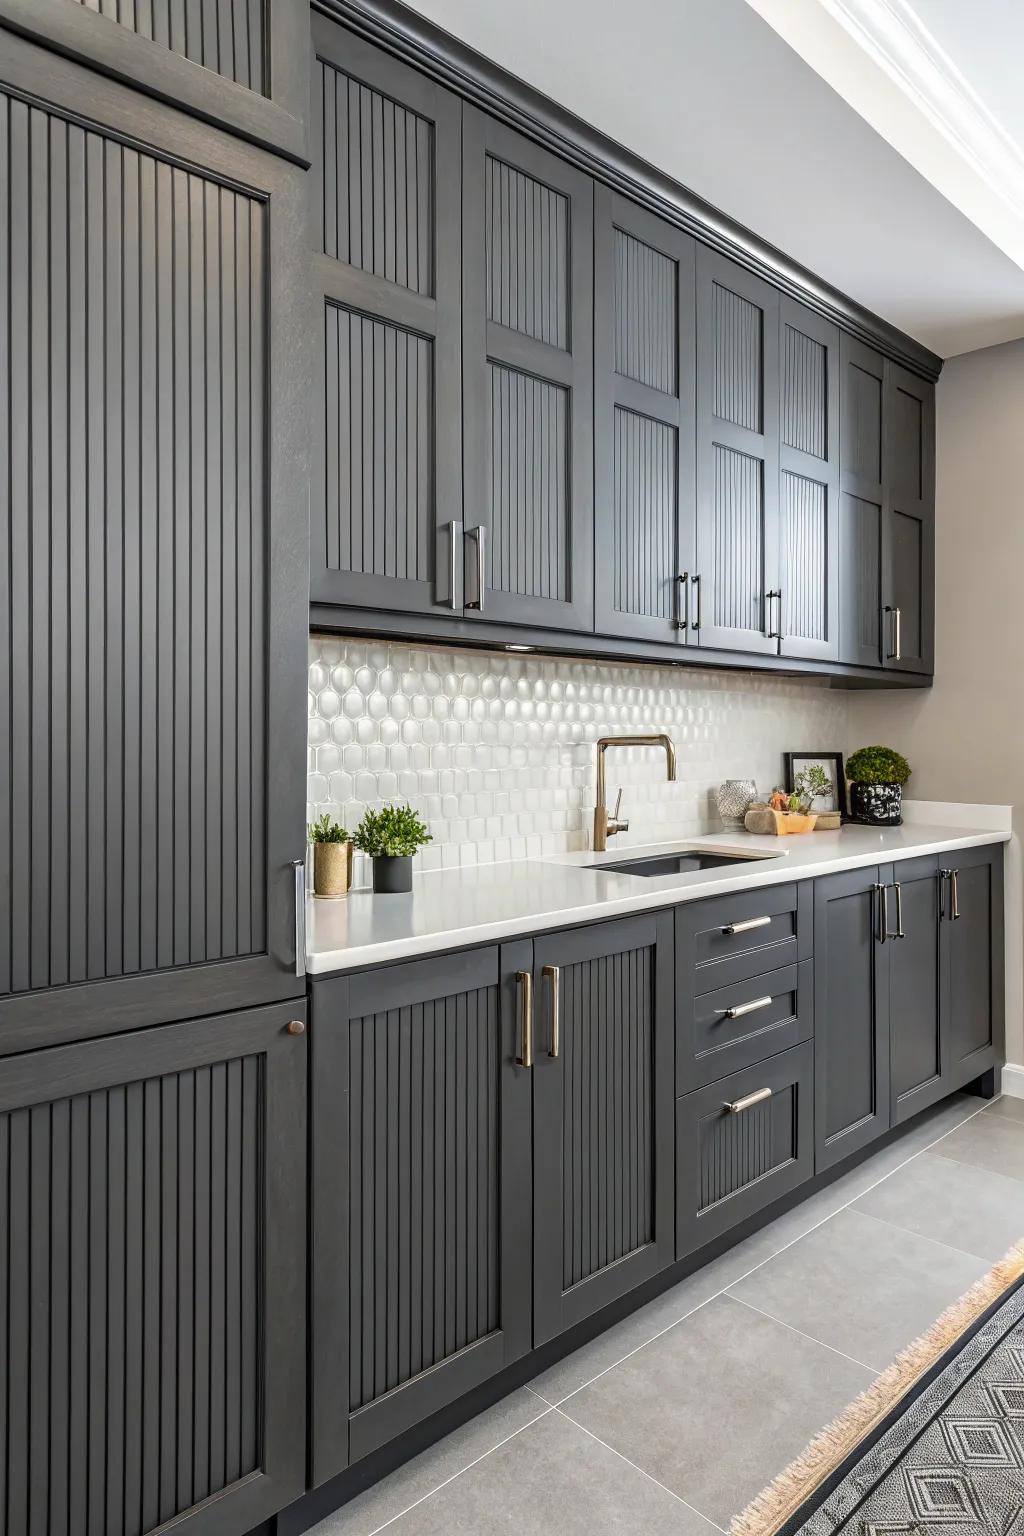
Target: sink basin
686	861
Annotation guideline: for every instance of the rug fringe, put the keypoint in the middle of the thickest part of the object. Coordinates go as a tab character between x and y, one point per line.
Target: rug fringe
765	1514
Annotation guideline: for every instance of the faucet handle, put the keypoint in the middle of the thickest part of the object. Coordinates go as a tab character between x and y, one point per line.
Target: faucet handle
618	804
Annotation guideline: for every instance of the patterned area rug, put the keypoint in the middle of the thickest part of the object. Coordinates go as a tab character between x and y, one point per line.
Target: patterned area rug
937	1443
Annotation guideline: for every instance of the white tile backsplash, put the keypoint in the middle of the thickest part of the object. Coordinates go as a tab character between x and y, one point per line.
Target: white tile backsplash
496	750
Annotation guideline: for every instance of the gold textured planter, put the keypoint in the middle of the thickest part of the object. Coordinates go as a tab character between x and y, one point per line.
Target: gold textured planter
332	868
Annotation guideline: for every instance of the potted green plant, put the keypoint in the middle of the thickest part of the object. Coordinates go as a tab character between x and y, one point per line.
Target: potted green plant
332	857
877	776
391	836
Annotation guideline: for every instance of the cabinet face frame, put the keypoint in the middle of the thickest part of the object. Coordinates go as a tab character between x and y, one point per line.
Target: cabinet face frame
105	106
674	410
570	369
434	318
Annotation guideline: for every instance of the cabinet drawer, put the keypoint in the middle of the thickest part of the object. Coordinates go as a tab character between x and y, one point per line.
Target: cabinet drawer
743	1023
732	1163
731	938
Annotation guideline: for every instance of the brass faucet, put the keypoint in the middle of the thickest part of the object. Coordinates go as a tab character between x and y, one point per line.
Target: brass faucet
606	826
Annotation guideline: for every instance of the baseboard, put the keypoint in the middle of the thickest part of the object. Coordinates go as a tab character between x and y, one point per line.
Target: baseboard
1013	1081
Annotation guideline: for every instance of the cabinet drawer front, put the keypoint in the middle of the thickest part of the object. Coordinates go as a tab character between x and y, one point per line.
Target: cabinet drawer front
731	938
743	1023
732	1162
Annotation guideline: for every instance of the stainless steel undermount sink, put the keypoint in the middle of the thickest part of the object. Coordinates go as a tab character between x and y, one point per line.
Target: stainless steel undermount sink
684	861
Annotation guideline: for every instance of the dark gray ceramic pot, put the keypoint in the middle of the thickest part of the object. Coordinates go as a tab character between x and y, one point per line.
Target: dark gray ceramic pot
392	876
877	805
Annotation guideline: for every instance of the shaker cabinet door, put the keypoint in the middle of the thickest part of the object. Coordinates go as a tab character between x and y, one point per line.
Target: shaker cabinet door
862	504
915	985
528	327
735	598
908	544
386	509
972	930
644	374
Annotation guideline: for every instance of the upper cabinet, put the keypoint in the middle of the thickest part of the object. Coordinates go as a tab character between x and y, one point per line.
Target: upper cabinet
644	377
527	327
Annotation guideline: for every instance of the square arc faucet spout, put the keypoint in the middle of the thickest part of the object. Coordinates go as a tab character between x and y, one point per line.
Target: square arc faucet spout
606	826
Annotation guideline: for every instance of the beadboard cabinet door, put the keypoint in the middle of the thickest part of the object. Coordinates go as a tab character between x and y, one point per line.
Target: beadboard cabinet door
154	648
737	560
386	511
528	333
152	1294
644	403
420	1191
603	1144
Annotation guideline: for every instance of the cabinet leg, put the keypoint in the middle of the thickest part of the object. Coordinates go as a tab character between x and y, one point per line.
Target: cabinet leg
984	1086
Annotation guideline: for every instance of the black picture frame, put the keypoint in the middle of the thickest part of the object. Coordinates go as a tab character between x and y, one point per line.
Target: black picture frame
794	760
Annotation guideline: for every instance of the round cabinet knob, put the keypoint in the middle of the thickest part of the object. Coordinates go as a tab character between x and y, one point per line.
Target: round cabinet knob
296	1027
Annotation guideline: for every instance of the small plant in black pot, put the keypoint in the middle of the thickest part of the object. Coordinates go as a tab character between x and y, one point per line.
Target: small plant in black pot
391	836
877	776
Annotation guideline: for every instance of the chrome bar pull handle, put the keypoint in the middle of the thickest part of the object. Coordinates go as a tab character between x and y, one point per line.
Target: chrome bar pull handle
746	925
479	535
737	1106
883	912
524	986
769	598
752	1007
698	587
899	934
299	866
955	894
944	877
683	601
897	647
552	976
454	549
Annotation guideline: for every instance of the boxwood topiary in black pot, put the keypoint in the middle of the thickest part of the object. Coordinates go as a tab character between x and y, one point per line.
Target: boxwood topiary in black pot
391	836
877	776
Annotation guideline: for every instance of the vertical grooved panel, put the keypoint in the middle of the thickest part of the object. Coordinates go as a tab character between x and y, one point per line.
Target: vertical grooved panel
804	507
526	229
737	1150
529	550
738	545
862	442
866	536
227	36
131	633
379	482
804	393
646	514
646	314
378	176
739	361
607	1173
423	1187
98	1214
906	440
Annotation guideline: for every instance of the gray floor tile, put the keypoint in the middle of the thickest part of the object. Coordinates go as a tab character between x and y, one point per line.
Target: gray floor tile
386	1499
716	1406
988	1141
1010	1109
552	1480
861	1285
970	1208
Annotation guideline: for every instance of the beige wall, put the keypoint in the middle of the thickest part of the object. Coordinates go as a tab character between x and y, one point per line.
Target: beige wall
965	735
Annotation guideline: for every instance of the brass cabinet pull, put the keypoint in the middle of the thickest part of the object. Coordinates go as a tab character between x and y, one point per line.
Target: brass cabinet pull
551	975
683	601
748	1101
478	535
524	983
295	1027
747	924
698	588
752	1007
955	894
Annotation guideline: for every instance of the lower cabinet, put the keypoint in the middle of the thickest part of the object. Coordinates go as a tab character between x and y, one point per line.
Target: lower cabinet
973	983
913	952
153	1214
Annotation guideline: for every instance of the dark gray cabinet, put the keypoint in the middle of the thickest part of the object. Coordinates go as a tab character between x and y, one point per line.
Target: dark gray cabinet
602	1116
851	1015
644	379
916	1015
386	505
153	1286
737	543
527	331
154	648
420	1189
862	502
971	904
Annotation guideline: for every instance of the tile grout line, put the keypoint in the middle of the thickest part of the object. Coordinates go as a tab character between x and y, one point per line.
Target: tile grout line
924	1238
476	1460
874	1369
665	1489
761	1263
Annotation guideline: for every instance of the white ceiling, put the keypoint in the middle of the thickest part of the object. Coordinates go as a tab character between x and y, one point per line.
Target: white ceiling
716	97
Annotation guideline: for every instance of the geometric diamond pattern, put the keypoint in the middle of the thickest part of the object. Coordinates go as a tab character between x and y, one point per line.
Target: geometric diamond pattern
980	1443
941	1496
1007	1398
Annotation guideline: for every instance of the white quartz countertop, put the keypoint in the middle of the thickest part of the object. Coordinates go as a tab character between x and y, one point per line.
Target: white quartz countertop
447	909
